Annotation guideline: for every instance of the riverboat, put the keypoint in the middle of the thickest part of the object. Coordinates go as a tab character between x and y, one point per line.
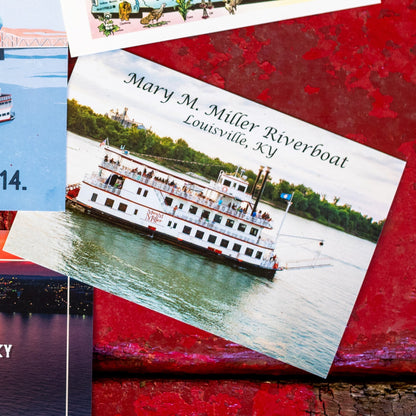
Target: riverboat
6	113
218	219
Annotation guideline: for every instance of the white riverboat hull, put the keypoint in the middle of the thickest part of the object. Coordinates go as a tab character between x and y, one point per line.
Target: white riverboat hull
213	219
233	262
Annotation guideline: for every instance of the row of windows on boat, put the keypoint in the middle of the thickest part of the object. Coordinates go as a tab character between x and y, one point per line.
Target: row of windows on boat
5	114
186	229
224	243
229	222
117	182
205	214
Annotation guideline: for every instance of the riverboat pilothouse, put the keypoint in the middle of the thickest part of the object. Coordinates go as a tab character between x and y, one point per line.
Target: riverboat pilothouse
218	218
6	113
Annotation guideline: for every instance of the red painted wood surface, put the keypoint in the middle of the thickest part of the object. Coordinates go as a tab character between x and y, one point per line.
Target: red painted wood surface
351	72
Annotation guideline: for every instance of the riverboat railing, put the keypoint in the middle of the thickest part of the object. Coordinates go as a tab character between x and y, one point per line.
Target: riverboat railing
264	242
99	182
187	195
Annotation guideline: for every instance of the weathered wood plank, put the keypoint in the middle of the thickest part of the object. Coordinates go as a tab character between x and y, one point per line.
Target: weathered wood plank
353	73
132	397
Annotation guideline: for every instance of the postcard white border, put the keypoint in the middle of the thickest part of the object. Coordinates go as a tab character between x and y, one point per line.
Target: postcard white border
81	42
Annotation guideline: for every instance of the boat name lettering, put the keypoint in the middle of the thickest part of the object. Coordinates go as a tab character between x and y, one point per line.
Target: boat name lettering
230	135
265	149
154	216
314	150
234	118
150	87
5	350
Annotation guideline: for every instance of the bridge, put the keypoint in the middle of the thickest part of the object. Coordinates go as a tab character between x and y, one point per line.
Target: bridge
31	38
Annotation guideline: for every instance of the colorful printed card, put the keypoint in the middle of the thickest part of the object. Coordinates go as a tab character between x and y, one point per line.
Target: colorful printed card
43	372
33	79
212	209
102	25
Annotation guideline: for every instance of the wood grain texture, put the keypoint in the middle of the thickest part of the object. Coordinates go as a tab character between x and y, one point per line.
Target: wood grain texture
232	398
353	73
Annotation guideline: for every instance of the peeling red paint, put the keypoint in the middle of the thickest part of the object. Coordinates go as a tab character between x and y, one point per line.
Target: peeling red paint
285	400
354	73
311	90
337	71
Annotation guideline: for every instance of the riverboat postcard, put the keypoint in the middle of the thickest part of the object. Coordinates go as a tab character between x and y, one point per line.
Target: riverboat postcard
102	25
34	352
33	68
212	209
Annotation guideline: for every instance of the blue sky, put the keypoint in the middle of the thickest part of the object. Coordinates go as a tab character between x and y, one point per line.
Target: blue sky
31	14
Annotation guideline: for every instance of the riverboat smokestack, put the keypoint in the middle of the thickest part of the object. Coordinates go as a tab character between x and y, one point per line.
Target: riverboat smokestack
253	191
263	184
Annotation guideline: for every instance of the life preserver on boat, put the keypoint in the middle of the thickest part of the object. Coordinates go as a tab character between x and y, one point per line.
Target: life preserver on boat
275	266
225	188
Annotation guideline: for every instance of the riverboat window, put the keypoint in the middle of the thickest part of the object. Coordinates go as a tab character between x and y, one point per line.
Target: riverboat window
241	188
122	207
145	193
169	223
205	214
175	224
254	231
109	202
249	251
199	234
94	197
224	243
193	209
168	201
217	218
212	238
229	223
226	182
139	191
135	212
259	254
187	230
180	206
242	227
237	247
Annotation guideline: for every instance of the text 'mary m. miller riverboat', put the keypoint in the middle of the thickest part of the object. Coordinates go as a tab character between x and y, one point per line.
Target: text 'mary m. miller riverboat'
217	218
6	113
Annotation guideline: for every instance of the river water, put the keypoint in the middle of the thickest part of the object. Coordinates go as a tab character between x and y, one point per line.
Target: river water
37	80
298	318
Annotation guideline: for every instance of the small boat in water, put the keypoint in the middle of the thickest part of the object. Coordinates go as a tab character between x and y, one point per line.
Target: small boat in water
218	219
6	113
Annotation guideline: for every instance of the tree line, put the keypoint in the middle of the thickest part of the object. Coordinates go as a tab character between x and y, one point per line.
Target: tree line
82	120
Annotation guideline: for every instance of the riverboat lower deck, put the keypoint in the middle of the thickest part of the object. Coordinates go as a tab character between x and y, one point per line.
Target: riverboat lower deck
217	219
6	113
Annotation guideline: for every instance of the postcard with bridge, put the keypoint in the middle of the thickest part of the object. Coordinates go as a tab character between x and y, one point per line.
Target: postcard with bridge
33	68
212	209
102	25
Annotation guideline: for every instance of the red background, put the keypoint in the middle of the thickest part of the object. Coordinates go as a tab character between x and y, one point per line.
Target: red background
353	73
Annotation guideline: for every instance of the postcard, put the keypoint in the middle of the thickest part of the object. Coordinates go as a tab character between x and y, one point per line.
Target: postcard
103	25
33	68
43	371
212	209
